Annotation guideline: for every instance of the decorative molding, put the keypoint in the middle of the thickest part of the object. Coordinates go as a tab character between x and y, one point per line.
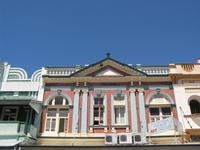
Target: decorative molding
187	67
77	90
85	90
50	97
149	97
140	90
132	90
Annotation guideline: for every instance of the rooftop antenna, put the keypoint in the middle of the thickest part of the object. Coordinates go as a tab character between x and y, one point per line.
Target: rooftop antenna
108	55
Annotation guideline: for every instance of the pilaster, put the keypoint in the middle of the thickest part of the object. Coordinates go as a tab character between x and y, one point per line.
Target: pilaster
142	111
84	111
134	118
75	111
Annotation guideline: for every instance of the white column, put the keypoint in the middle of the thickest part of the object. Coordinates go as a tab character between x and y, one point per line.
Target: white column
134	118
84	111
75	111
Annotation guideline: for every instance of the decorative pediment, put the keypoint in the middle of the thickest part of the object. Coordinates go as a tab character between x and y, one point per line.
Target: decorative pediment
108	71
108	67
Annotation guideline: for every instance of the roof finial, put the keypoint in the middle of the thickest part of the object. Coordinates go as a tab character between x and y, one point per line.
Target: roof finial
108	55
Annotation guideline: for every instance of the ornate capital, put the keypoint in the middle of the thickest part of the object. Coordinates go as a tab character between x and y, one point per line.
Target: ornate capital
132	90
85	90
77	90
140	90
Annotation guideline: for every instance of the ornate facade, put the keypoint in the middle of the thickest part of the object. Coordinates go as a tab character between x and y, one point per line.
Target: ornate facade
74	105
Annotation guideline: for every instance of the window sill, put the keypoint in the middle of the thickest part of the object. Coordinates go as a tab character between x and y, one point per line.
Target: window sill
120	126
98	126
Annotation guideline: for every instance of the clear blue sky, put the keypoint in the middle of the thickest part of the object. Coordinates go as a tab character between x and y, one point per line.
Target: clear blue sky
36	33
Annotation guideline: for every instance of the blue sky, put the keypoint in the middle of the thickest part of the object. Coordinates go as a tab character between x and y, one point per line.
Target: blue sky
36	33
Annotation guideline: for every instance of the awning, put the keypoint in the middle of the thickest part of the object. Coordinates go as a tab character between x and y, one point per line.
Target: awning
21	100
37	106
9	142
15	100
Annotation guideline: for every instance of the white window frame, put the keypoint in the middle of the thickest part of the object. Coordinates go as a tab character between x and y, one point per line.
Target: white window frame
154	118
10	107
99	106
57	117
122	121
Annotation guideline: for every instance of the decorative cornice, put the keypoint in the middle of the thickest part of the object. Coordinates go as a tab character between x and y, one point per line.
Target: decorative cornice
107	79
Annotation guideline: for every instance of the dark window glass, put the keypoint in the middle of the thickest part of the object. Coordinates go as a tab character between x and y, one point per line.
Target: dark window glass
194	106
98	101
58	100
166	111
63	112
154	111
61	125
51	112
98	115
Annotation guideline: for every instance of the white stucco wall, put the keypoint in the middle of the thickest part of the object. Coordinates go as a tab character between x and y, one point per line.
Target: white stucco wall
182	102
20	86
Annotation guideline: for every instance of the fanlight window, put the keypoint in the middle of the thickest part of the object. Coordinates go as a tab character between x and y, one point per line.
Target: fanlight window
159	108
57	116
194	106
59	100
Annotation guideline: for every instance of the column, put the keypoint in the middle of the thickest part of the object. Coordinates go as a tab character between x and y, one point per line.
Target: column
142	111
75	111
133	111
84	111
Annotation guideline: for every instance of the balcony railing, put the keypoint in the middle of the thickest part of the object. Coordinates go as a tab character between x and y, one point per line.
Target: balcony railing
156	71
17	128
60	72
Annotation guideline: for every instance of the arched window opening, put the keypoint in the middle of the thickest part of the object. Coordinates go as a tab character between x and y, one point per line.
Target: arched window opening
194	106
159	108
57	116
59	100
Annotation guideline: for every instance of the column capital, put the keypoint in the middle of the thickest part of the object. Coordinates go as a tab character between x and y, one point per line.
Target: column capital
140	90
132	90
85	90
76	90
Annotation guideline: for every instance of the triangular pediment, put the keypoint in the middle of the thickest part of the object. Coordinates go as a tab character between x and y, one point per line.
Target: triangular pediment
108	67
108	71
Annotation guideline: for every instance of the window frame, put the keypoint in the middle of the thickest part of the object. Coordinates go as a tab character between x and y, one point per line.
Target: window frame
160	116
122	121
57	117
100	107
10	107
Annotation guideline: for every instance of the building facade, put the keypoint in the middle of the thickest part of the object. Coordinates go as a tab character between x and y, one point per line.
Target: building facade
105	97
186	84
20	106
82	104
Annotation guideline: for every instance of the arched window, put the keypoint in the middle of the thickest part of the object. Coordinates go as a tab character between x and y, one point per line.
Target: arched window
57	115
194	106
159	108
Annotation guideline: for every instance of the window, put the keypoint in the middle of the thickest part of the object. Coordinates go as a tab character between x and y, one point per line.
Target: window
57	116
98	111
119	110
119	115
159	108
159	113
194	106
10	113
